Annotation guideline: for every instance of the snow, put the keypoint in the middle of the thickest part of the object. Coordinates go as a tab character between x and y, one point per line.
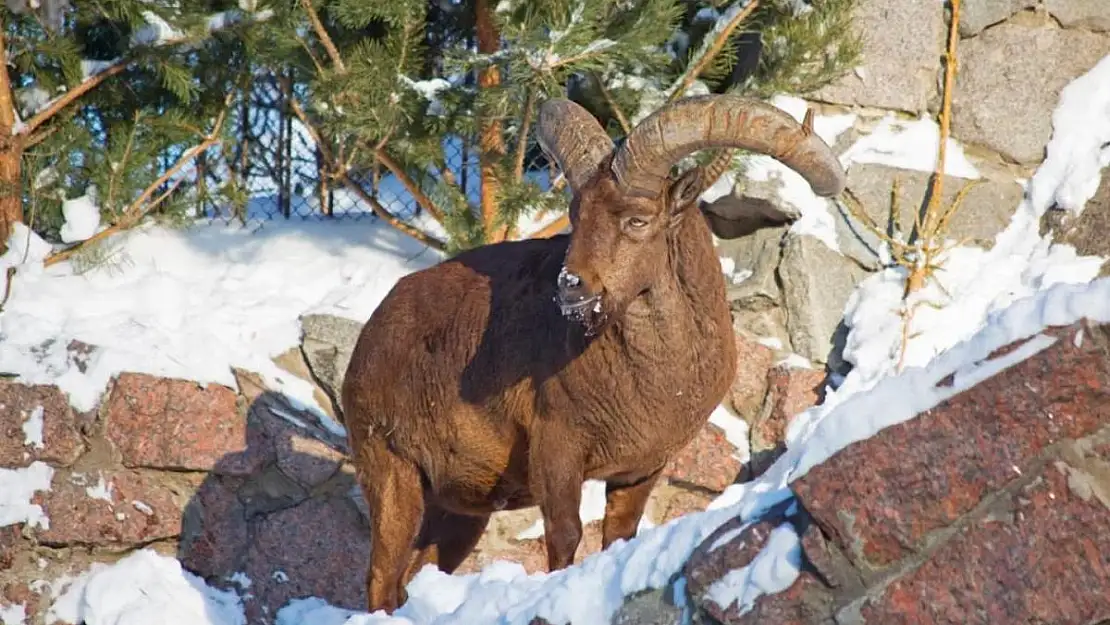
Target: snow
26	251
591	508
156	31
770	341
82	218
241	579
17	488
794	192
795	361
707	14
429	90
773	570
101	490
193	303
32	99
735	429
143	588
1080	144
14	614
90	68
909	145
32	428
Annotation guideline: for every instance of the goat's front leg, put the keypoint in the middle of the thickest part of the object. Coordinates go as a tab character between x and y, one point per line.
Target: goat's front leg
624	506
556	482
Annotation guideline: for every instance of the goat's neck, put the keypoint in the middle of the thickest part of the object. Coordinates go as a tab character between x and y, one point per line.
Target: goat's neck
692	289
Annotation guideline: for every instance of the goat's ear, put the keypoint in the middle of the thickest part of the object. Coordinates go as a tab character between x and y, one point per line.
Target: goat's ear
683	193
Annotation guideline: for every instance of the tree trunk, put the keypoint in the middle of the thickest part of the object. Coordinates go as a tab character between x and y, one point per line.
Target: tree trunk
491	145
11	196
11	155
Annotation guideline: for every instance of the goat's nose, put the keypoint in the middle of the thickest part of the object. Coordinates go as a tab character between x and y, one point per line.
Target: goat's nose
568	280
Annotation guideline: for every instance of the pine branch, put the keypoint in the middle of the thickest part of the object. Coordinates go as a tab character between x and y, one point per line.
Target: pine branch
39	137
325	38
312	56
142	205
90	82
710	52
114	177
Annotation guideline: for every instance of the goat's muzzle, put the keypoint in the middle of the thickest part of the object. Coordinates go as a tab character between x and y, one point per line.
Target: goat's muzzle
575	299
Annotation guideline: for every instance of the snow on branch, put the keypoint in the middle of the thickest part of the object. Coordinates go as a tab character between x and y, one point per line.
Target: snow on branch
711	45
157	33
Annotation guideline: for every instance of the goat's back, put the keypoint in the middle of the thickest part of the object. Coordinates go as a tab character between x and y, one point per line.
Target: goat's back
446	359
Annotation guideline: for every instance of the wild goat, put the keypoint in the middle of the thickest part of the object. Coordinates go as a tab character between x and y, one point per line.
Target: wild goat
509	374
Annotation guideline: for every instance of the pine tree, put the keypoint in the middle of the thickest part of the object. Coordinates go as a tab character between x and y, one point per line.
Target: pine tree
394	88
112	99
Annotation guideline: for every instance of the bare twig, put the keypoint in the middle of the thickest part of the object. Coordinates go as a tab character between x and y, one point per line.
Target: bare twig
325	38
928	225
612	104
7	288
950	66
961	195
315	62
931	227
691	74
385	215
399	172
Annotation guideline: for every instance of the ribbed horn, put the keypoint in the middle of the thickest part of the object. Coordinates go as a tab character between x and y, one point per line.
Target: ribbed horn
642	164
573	137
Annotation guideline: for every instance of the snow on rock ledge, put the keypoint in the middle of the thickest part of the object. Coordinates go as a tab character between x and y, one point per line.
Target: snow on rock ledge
997	453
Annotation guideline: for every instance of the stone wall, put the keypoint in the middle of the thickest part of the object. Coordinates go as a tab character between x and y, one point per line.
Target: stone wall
1015	56
992	507
245	490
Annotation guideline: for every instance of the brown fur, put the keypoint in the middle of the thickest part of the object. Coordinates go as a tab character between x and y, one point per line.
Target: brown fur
468	391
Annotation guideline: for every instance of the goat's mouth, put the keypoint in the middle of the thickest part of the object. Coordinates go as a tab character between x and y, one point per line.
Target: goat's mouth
584	308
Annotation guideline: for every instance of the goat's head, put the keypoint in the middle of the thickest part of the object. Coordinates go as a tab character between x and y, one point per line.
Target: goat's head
625	202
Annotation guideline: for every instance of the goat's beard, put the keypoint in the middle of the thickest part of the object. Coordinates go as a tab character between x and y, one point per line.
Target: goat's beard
590	313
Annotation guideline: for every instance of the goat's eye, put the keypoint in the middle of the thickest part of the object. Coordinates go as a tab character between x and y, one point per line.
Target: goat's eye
636	222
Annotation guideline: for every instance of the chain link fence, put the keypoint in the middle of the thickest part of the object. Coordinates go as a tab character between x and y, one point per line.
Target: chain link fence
282	173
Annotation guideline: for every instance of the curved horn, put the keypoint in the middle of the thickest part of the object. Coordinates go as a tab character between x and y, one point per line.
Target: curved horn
573	137
713	170
643	162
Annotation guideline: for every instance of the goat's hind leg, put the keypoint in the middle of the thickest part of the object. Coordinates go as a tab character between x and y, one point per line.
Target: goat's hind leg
395	497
